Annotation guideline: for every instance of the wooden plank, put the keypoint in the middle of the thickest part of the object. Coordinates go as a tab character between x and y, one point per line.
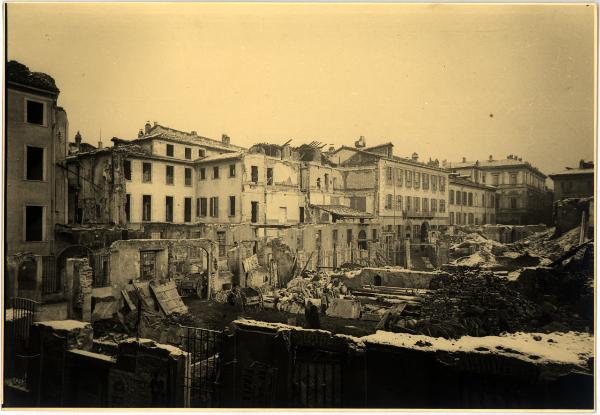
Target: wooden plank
168	298
128	300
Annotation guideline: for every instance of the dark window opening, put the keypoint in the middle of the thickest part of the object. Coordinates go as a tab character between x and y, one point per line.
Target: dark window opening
203	206
254	212
301	214
35	112
231	205
170	150
127	169
188	176
35	163
147	265
254	173
216	172
170	174
188	153
201	152
34	223
187	213
269	176
197	207
232	170
202	173
146	207
128	207
169	209
214	207
221	242
147	172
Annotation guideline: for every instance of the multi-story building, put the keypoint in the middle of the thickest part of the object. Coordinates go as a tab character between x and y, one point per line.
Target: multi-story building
470	203
37	135
408	197
521	196
574	182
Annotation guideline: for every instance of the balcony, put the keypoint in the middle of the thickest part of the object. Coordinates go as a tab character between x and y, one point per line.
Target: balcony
411	214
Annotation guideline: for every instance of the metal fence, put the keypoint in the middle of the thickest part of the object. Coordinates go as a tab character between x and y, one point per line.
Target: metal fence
18	321
316	379
101	267
50	278
204	346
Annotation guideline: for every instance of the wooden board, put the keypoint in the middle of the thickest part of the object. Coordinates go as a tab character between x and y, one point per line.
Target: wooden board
168	298
128	300
250	263
143	290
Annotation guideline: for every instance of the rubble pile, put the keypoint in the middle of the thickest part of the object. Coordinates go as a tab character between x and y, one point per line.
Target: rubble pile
545	244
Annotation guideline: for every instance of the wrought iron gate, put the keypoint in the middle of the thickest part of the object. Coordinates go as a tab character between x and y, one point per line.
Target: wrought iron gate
18	320
204	346
316	379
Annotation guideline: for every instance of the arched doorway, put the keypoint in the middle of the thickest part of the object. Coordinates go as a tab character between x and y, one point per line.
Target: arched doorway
362	240
377	280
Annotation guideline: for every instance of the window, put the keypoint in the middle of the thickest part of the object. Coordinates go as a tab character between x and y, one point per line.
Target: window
426	181
232	170
214	207
442	183
201	152
188	176
169	209
334	180
146	208
451	218
202	173
254	174
408	178
187	209
203	206
222	243
399	202
34	223
318	182
127	169
269	176
254	212
388	201
470	218
374	235
349	236
188	153
451	196
513	178
417	181
434	183
442	205
433	205
197	207
458	193
464	198
128	207
470	199
399	176
34	169
146	172
425	204
326	181
147	265
215	172
495	179
334	236
389	175
416	231
231	205
408	204
34	112
513	202
301	213
417	204
170	150
170	174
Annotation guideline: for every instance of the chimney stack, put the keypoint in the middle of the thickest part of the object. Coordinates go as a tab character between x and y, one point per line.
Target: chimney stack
147	127
78	139
361	142
100	145
194	133
140	133
464	160
491	158
225	139
415	157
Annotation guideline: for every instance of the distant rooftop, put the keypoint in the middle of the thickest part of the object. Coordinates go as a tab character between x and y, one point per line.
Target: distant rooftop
18	73
510	161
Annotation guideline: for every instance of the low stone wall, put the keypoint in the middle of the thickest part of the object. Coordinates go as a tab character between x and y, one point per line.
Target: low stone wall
313	368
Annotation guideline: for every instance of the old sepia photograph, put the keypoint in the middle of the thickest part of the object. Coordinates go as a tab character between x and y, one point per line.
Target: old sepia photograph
299	206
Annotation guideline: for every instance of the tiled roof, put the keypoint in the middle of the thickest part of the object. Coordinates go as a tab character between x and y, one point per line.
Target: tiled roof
483	164
341	210
467	182
18	73
159	131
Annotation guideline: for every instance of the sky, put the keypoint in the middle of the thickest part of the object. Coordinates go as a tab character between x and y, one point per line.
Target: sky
445	81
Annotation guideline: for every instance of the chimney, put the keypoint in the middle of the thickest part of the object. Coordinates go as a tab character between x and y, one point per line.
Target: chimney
194	133
332	149
147	127
78	139
491	158
140	133
155	123
100	144
225	139
415	157
464	159
361	142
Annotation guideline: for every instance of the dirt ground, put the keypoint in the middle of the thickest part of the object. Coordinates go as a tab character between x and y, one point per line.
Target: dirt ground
216	316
